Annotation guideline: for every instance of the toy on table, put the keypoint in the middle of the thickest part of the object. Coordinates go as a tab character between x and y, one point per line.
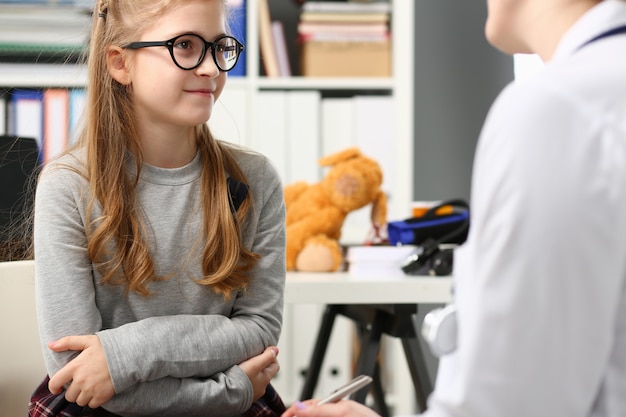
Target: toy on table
316	212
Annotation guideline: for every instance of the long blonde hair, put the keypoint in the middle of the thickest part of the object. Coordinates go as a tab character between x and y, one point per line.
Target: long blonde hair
116	242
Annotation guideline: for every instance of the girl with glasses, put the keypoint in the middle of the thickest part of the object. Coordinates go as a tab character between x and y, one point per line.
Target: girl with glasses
159	249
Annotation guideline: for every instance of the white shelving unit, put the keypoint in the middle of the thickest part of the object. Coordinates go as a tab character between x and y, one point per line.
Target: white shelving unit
399	87
242	104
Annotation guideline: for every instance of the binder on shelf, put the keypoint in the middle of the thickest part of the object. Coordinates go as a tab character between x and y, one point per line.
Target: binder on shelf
78	99
56	107
237	21
269	135
280	45
374	127
337	124
303	135
229	115
27	115
3	114
287	132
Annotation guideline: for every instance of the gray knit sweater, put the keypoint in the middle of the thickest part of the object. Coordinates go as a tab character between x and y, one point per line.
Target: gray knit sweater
174	352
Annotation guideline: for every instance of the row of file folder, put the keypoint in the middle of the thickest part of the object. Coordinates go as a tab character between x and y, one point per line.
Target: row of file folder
51	116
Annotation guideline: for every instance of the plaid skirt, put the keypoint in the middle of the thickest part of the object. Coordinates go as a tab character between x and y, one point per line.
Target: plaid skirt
43	403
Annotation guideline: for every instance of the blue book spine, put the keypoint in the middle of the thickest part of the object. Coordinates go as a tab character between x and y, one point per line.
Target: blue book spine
237	22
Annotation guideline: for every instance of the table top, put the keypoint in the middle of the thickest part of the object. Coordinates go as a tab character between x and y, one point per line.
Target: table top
343	288
333	287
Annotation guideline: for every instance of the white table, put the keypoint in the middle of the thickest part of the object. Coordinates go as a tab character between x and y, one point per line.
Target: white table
342	288
380	304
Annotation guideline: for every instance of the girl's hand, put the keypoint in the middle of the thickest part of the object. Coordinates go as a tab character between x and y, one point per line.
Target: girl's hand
261	369
87	374
344	408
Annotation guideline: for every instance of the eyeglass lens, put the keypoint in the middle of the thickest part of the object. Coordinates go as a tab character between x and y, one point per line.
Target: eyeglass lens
188	50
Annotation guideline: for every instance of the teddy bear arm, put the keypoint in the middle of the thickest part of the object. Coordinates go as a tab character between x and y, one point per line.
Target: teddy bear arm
379	209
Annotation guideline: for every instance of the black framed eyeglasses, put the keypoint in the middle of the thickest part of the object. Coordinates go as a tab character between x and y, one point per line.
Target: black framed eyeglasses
188	50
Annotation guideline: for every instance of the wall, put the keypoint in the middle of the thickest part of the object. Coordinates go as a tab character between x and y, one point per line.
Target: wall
458	75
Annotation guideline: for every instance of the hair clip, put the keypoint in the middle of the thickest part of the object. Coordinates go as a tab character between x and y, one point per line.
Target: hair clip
103	9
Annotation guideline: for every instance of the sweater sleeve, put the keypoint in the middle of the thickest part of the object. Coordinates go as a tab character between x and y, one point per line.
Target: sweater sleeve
64	288
219	396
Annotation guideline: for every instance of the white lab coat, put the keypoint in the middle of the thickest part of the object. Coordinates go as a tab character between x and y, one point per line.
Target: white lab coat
540	283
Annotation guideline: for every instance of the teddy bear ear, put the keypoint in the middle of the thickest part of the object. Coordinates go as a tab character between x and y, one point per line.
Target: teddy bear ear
346	154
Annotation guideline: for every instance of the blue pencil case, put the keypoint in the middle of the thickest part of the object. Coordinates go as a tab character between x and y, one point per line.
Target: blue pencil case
446	228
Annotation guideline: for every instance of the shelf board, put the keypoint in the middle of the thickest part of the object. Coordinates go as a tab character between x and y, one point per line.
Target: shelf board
43	75
71	75
314	83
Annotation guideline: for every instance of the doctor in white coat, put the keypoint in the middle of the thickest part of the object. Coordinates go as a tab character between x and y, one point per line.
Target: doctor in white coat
541	281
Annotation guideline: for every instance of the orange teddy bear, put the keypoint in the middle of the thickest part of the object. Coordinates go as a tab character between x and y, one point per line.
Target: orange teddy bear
316	212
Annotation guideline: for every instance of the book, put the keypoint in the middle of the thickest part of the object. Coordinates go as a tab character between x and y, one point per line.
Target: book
266	41
237	23
346	7
311	31
41	34
344	17
341	28
56	107
280	45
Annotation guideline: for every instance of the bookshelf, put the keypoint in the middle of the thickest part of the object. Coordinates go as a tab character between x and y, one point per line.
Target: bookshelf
241	118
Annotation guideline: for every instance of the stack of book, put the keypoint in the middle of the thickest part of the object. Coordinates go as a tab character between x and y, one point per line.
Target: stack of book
34	32
345	39
273	45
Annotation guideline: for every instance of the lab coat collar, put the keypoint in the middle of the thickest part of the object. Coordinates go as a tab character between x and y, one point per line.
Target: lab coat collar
607	15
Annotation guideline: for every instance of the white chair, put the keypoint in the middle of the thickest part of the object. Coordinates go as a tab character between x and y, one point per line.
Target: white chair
21	362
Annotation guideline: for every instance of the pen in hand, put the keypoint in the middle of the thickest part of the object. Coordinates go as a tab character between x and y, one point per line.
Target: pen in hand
345	390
